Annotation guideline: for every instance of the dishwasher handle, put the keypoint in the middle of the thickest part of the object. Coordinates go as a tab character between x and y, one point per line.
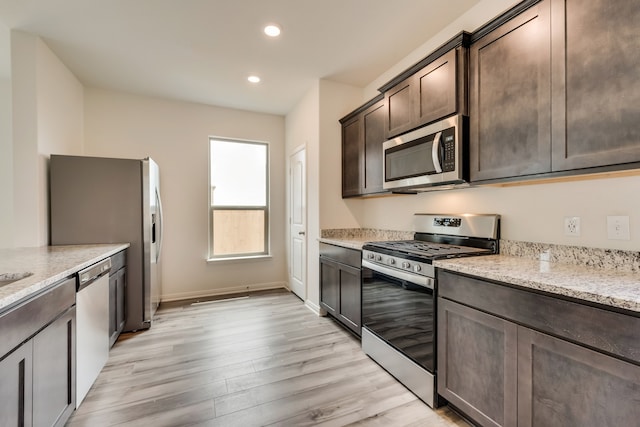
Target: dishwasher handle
92	273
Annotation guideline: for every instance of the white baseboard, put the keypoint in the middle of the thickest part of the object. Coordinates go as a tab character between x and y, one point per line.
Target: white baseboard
315	308
222	291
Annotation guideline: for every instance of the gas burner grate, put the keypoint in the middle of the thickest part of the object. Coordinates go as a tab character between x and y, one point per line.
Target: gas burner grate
428	249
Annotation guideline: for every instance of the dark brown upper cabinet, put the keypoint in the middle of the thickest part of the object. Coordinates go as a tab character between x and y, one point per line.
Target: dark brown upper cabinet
432	89
553	92
362	138
352	154
510	98
596	95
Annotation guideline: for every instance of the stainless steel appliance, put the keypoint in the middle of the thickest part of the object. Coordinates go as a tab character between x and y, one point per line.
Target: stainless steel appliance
92	330
428	158
103	200
399	290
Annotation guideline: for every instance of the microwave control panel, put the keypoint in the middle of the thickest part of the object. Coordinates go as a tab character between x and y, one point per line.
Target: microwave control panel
449	148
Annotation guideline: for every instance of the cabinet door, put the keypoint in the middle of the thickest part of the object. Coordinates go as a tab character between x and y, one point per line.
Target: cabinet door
596	91
350	298
113	308
436	89
373	121
330	286
121	292
477	370
510	98
16	387
563	384
54	372
117	309
352	158
399	115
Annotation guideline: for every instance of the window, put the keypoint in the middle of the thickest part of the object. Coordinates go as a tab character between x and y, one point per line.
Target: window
239	198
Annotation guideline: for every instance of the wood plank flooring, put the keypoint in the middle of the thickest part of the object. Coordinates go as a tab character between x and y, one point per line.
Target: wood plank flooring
261	360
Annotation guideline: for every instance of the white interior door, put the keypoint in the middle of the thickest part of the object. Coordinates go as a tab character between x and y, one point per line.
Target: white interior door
297	224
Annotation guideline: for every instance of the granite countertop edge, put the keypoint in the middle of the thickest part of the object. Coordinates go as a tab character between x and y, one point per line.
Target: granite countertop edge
49	265
345	243
601	286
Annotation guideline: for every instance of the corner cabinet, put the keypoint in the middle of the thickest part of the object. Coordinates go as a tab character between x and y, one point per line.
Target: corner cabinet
117	295
560	56
341	285
505	361
37	364
362	138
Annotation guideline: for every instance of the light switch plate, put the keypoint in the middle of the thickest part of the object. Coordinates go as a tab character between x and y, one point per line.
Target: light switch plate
618	228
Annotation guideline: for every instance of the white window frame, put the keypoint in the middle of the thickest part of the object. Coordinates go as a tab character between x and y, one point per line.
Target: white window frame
267	217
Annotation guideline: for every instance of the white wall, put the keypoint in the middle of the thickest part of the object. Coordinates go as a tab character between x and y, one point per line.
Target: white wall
313	122
473	19
334	99
532	213
303	129
6	165
6	142
47	118
175	134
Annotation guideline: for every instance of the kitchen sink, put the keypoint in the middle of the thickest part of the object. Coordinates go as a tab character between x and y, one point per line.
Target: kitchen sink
8	278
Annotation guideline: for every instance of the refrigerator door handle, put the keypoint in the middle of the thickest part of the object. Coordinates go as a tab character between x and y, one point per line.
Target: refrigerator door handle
161	220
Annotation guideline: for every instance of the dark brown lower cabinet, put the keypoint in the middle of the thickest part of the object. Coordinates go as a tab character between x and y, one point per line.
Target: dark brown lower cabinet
54	376
564	384
16	387
117	301
477	363
341	286
499	371
37	370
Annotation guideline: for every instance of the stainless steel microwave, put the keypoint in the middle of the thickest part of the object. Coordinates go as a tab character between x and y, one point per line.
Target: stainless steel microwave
428	158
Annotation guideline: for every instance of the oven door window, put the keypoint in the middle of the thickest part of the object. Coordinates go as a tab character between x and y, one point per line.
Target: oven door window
401	314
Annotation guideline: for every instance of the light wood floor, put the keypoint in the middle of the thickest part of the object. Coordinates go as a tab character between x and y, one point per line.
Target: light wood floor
253	361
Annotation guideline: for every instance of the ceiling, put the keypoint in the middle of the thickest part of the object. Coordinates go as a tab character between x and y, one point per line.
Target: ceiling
204	50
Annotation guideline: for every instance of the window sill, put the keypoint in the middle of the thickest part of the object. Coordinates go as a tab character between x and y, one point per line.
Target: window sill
239	259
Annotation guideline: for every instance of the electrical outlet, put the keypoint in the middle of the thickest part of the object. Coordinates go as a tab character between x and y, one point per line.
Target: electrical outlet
618	228
572	226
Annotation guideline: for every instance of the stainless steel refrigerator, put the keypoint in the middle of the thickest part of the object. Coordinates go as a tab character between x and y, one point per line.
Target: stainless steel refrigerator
103	200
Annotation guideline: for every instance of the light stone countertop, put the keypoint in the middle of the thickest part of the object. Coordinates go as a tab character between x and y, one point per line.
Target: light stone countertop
355	238
604	286
49	265
353	243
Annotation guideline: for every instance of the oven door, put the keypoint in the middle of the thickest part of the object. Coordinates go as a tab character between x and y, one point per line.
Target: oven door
398	308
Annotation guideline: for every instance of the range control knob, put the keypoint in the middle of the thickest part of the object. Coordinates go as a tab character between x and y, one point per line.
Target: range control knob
417	268
378	257
405	264
370	255
392	261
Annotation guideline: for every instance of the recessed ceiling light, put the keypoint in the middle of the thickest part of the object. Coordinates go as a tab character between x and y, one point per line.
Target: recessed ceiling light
254	79
272	30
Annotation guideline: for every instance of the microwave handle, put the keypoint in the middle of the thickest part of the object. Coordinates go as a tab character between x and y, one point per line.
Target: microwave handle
435	152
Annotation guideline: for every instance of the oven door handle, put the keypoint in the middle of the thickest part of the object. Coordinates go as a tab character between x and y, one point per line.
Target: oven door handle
426	282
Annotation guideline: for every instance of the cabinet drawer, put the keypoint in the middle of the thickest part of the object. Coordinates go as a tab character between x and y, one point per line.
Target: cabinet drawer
25	320
607	331
351	257
118	261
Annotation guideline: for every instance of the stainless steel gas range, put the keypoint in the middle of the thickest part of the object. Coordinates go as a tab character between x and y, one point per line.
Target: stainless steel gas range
399	290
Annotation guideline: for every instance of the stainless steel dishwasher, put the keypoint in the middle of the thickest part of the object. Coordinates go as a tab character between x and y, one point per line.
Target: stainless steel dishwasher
92	327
